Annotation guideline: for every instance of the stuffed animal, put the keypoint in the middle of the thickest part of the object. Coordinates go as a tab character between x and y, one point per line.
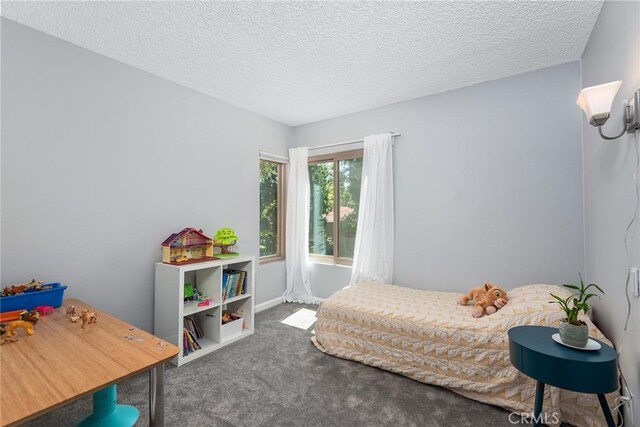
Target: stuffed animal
488	299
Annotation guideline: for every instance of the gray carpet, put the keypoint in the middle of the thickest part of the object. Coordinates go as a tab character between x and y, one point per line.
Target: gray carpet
276	377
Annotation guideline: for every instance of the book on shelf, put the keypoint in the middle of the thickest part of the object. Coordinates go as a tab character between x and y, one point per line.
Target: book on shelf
234	283
190	335
190	344
185	344
193	326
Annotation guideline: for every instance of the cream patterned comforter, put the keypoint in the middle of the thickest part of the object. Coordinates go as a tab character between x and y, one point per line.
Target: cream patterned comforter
426	336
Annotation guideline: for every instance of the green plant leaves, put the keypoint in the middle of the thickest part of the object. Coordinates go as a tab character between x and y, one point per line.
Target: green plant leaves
594	285
578	301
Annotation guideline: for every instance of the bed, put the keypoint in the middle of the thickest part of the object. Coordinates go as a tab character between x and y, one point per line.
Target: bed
426	336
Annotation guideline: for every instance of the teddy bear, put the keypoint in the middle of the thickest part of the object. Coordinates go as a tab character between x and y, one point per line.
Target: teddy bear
488	299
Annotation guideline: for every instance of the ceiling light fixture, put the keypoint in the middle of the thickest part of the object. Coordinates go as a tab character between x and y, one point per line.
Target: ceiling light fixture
596	103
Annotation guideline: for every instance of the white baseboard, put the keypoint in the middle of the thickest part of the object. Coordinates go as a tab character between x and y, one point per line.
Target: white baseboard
268	304
276	301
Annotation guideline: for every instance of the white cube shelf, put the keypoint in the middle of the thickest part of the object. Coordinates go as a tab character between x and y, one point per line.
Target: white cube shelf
170	308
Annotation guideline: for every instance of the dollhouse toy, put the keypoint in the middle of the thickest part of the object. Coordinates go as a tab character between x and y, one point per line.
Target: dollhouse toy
188	245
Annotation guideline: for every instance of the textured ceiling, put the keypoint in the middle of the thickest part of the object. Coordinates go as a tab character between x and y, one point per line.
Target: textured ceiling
299	62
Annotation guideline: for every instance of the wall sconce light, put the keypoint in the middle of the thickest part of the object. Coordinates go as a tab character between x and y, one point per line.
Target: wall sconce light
596	102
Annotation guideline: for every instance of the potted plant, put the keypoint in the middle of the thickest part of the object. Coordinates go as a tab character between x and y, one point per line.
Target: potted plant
572	330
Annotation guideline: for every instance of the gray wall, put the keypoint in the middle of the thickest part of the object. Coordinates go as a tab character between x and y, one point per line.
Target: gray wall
101	161
613	53
488	178
488	183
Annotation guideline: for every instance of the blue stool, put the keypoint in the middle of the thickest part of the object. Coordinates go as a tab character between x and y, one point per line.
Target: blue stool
107	413
534	353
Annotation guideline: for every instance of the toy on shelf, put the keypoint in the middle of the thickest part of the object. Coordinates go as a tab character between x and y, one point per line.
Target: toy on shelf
187	246
225	239
226	318
189	292
71	313
44	309
88	317
229	317
27	320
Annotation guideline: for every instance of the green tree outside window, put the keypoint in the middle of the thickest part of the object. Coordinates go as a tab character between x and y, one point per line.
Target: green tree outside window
269	187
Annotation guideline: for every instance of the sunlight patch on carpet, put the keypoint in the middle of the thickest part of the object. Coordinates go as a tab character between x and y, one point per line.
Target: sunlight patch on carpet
303	319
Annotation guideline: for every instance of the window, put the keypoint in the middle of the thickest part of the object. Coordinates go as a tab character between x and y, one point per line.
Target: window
335	198
271	211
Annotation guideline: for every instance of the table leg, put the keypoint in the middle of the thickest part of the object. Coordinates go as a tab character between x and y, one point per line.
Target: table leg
537	410
606	411
107	412
156	396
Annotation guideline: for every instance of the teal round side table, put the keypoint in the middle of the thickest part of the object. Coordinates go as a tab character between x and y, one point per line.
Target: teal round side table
533	352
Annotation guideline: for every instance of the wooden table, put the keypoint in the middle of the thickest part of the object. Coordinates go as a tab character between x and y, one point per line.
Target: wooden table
62	362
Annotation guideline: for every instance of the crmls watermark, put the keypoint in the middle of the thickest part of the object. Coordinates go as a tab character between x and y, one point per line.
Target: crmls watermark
529	418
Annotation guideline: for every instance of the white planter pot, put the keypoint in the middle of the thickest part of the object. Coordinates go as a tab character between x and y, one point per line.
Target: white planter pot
574	335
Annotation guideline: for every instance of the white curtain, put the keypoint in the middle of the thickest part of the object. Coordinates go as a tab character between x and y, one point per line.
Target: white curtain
373	253
297	244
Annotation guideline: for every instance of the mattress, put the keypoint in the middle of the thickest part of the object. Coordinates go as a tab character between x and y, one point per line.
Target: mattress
426	336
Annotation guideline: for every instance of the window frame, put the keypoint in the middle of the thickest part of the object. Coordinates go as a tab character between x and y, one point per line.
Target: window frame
335	158
281	216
